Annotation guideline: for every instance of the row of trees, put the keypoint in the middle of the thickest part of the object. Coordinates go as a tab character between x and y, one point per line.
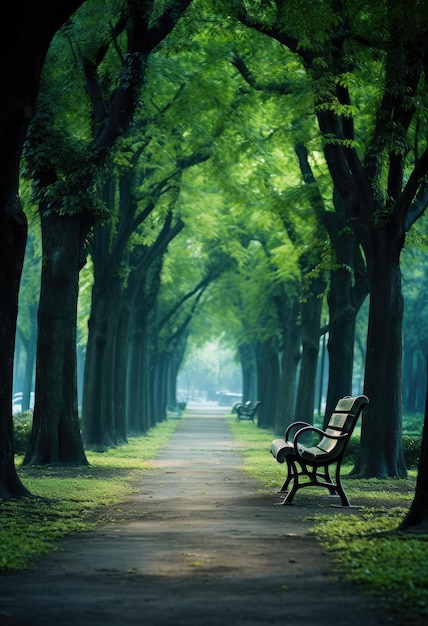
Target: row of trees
309	177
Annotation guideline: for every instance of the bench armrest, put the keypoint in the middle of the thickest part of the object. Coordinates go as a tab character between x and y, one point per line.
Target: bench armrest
314	429
243	410
297	425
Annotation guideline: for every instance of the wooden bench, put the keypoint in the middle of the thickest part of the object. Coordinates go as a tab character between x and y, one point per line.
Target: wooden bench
246	411
309	464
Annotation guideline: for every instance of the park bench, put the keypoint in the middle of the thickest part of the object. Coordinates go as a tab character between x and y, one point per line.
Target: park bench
308	464
247	411
176	409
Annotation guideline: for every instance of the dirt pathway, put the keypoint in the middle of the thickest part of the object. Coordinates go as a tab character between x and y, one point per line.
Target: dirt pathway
199	544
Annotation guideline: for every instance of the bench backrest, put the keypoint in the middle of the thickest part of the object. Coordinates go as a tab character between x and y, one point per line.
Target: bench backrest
342	422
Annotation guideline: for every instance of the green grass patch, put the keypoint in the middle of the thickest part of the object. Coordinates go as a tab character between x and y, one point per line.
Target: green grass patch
366	547
69	500
392	565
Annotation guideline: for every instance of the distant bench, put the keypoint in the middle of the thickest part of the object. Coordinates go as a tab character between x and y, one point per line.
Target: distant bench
176	409
247	411
308	465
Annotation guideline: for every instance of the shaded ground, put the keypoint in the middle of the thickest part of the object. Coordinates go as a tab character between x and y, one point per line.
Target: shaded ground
198	544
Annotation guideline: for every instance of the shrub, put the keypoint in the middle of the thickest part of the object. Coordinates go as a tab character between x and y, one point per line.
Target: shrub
22	423
411	448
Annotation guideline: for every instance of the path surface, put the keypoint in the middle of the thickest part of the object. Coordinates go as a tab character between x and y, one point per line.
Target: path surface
199	544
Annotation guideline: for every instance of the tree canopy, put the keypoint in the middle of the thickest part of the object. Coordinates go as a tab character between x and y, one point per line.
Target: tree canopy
247	169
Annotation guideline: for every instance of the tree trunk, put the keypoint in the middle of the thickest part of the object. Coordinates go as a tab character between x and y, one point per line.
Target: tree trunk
340	347
171	381
159	390
121	373
292	335
348	288
174	359
249	372
417	516
311	320
381	451
100	373
13	235
20	67
55	437
138	367
268	377
98	410
152	385
134	389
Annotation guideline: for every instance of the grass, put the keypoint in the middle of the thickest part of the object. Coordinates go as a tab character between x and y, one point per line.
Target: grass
367	547
70	499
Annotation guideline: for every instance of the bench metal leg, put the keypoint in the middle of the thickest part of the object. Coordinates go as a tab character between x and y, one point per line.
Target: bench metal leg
291	475
317	476
340	491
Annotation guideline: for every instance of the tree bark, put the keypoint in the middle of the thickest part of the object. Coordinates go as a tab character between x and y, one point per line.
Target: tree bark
311	316
13	234
159	389
121	373
348	288
55	437
136	418
291	355
138	388
249	372
98	398
268	377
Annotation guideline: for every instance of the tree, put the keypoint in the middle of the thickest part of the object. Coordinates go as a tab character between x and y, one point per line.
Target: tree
66	175
383	183
22	59
149	164
348	283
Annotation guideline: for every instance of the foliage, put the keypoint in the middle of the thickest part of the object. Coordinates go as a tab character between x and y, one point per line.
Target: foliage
411	449
71	500
22	423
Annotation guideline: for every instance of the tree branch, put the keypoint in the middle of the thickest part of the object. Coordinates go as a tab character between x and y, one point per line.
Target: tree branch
247	75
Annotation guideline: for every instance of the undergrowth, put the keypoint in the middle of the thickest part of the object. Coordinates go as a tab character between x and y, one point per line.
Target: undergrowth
366	546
